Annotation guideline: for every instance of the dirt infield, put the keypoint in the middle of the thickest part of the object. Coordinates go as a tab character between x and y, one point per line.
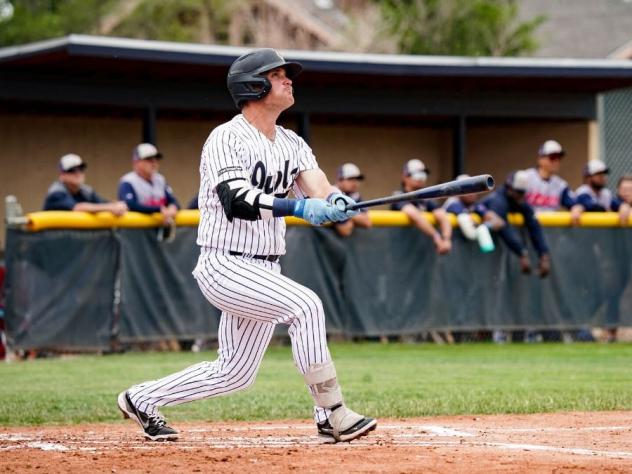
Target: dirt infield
559	442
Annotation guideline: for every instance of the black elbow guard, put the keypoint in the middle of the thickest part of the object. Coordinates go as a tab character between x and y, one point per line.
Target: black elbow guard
224	192
235	201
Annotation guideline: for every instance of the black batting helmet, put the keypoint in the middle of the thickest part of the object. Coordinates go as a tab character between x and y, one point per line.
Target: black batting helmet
246	77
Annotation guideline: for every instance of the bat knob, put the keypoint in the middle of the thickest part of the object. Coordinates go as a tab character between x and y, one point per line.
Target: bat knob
340	204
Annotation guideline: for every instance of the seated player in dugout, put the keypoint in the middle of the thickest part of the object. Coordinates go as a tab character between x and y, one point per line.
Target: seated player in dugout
414	177
144	189
593	195
624	189
510	198
348	180
546	191
70	193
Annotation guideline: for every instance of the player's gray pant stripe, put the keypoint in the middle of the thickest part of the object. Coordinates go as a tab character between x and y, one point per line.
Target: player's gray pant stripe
296	291
240	308
241	377
297	309
240	369
241	287
146	390
234	370
316	317
274	291
213	381
274	309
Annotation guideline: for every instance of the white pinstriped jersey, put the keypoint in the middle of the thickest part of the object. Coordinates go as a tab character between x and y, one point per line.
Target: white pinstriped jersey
236	150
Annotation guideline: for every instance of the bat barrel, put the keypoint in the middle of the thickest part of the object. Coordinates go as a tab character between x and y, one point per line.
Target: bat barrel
471	185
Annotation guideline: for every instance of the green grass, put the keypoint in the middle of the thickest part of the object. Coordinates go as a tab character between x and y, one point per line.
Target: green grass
394	380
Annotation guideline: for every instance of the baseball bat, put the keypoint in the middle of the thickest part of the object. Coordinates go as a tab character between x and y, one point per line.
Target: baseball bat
474	184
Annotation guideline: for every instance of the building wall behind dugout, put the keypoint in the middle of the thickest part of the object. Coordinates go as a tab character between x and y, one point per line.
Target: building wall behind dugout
33	143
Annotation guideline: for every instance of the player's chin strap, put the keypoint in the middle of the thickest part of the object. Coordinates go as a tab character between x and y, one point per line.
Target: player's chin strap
323	383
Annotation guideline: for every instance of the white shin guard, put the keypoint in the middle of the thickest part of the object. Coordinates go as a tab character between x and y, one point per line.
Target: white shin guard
322	382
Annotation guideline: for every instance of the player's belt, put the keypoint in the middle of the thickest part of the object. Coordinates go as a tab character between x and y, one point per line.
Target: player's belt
268	258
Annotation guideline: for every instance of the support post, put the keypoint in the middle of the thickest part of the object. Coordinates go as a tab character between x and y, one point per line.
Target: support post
458	146
149	125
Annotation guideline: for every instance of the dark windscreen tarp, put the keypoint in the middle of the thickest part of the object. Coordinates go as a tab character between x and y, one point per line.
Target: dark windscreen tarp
60	288
159	296
381	281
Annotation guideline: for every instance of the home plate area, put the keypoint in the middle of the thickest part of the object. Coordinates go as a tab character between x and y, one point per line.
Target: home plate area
560	442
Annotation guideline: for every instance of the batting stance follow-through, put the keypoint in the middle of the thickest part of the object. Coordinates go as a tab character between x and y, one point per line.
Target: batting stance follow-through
247	169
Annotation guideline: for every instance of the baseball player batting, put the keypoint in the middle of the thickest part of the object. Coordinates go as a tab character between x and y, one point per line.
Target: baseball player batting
248	167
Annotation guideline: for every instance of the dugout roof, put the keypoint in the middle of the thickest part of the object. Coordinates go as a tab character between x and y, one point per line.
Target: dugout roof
105	71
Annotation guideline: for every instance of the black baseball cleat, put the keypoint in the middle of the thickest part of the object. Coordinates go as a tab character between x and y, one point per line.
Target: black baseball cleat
154	426
361	428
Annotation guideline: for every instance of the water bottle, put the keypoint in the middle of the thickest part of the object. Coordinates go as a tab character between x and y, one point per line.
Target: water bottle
466	224
484	238
13	214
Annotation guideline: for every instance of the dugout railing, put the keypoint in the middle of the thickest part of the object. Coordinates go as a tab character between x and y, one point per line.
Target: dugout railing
79	281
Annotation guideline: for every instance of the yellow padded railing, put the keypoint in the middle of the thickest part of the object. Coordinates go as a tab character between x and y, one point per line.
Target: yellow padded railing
38	221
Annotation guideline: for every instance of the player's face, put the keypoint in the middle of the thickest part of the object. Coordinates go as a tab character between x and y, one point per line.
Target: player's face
349	185
550	163
469	199
147	167
411	184
282	94
625	190
74	177
598	181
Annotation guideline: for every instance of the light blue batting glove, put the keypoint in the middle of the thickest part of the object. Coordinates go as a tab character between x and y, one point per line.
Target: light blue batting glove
340	202
315	211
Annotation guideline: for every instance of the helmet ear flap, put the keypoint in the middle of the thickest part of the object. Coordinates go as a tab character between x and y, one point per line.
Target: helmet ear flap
261	88
250	88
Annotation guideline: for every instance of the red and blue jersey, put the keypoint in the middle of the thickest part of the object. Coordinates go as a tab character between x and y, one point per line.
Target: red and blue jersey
145	196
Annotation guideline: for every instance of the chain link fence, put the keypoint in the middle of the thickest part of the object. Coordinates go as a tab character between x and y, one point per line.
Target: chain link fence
615	117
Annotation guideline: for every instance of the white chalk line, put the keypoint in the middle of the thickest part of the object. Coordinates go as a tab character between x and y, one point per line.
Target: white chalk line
405	435
428	430
556	430
285	443
555	449
42	445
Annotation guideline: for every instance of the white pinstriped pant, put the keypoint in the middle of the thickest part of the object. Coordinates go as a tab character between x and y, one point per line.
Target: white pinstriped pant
253	297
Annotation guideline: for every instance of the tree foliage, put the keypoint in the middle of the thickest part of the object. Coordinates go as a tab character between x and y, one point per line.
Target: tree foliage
34	20
451	27
179	20
460	27
169	20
